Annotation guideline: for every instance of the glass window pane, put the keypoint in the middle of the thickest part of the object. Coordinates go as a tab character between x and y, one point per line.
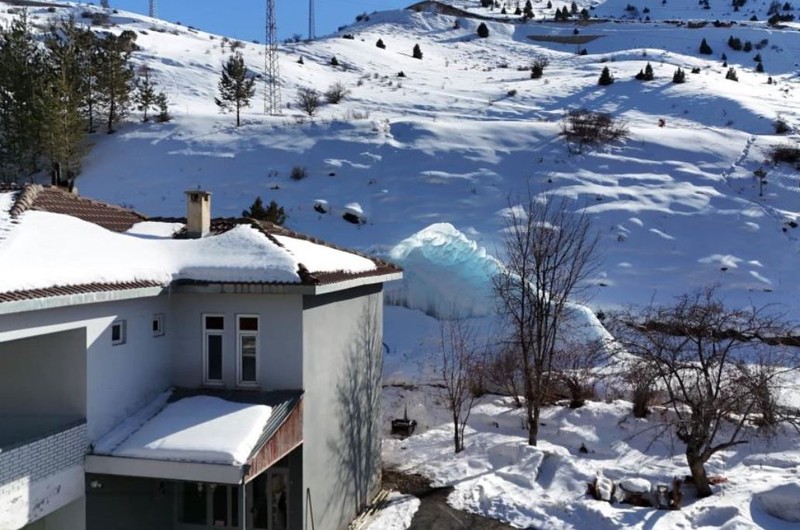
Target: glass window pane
248	345
214	357
248	324
116	332
193	504
215	322
219	506
249	369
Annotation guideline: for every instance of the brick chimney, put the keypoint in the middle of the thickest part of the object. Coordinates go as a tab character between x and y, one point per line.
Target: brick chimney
198	213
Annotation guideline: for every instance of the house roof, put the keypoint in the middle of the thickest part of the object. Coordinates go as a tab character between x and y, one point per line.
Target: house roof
55	243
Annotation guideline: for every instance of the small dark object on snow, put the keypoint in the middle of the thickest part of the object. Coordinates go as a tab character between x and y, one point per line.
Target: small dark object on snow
320	208
352	218
403	426
583	448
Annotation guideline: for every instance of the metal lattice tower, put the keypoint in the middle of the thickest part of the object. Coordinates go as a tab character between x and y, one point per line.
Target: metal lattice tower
311	30
272	81
153	9
104	3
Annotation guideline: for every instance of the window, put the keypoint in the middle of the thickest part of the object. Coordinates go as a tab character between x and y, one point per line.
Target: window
247	349
214	505
118	332
213	329
158	325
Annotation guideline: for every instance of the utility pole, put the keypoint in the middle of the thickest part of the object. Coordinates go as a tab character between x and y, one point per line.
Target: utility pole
311	30
153	8
272	81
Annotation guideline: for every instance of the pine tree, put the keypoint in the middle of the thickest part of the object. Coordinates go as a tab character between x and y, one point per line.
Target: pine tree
731	74
705	49
63	131
417	52
236	88
272	213
646	74
145	92
21	100
115	77
380	44
760	68
483	31
162	103
679	76
605	77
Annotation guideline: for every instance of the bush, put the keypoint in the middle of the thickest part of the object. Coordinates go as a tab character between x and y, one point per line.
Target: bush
605	77
679	76
336	93
696	70
705	49
298	173
417	52
781	127
760	68
308	100
785	153
537	69
380	44
734	43
732	74
585	127
483	31
748	47
334	61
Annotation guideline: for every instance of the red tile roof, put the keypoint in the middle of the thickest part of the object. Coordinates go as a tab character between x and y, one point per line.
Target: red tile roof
89	288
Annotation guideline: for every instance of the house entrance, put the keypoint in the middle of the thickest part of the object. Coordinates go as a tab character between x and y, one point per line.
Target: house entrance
269	500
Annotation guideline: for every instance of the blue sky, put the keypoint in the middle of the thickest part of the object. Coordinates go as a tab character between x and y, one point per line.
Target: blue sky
247	20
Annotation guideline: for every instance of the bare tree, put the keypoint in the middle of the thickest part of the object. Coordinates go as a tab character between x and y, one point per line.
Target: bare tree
308	99
719	368
502	371
548	251
575	365
457	368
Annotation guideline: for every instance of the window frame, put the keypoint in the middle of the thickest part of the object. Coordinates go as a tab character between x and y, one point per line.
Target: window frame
123	335
206	334
160	332
240	334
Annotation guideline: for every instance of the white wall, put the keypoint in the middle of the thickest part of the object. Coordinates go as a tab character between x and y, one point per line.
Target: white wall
280	337
341	406
119	379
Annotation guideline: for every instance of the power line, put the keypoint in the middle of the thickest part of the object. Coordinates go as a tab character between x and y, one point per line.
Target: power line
272	88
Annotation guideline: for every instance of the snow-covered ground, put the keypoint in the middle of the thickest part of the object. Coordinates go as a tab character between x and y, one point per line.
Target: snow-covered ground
434	158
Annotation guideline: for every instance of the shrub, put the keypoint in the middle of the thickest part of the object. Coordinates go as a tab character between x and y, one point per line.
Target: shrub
336	93
732	74
511	93
417	52
785	153
747	47
380	44
585	127
734	43
781	127
705	49
301	61
537	70
334	61
298	173
757	58
696	70
583	51
401	74
760	68
483	31
605	77
679	76
308	100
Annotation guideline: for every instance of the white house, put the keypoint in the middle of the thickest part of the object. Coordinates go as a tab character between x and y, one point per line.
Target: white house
182	373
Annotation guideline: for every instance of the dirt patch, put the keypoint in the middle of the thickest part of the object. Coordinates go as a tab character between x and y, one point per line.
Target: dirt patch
564	39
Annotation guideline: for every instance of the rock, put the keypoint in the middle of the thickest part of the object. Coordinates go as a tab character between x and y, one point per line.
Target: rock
782	502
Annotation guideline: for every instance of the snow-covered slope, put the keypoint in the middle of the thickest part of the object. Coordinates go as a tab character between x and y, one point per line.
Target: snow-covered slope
464	131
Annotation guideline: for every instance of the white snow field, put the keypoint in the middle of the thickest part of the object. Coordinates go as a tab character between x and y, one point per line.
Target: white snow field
433	159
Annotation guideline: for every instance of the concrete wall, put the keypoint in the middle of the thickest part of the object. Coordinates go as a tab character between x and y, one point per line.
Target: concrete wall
280	337
119	379
342	335
44	376
70	517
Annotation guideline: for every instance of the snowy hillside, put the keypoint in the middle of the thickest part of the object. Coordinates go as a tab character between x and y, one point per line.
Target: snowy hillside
464	130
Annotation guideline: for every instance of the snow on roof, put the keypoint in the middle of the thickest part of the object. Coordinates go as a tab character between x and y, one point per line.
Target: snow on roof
87	253
200	429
